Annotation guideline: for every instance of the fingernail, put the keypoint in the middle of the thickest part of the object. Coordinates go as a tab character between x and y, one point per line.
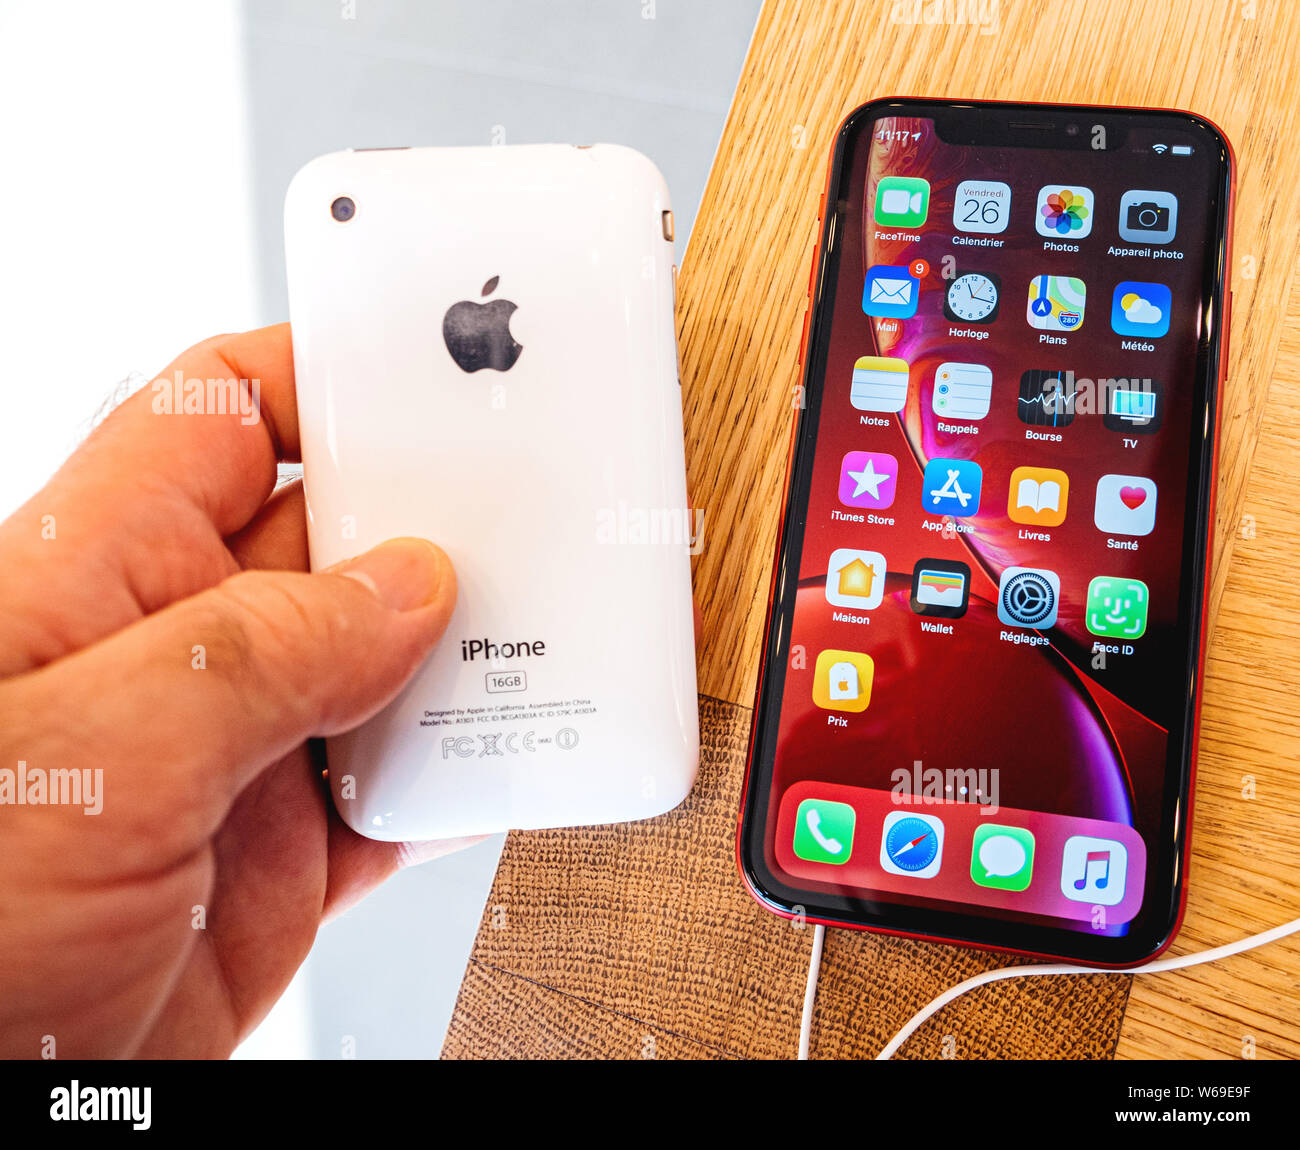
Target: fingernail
403	573
414	853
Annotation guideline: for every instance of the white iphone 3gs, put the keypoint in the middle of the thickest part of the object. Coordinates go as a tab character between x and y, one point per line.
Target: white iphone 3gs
486	356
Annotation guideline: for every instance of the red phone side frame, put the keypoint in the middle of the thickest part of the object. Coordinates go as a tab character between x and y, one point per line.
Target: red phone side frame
1205	582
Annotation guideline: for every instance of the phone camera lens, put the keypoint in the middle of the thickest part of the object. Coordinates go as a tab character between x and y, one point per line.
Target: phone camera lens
343	209
1071	129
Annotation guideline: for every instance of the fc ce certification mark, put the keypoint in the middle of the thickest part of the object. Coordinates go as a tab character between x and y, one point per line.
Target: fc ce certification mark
505	743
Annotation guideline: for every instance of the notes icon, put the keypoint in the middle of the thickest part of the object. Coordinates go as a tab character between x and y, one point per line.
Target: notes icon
879	384
1094	870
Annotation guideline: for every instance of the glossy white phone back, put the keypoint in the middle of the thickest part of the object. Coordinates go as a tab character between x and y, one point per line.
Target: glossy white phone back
557	486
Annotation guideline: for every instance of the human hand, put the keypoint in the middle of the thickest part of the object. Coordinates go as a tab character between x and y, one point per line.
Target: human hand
157	624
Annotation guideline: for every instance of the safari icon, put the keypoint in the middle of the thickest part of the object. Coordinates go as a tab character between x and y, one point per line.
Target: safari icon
1002	857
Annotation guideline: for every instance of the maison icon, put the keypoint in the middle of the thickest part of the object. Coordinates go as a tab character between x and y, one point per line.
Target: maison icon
856	579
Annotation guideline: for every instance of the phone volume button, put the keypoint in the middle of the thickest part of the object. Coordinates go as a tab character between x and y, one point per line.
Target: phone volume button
803	339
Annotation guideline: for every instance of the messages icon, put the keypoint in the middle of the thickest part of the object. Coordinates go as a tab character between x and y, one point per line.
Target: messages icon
891	292
1002	857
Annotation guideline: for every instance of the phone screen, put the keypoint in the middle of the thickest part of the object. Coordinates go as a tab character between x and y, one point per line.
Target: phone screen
977	705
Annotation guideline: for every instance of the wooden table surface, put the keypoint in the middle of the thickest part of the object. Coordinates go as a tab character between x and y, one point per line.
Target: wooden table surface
741	308
741	302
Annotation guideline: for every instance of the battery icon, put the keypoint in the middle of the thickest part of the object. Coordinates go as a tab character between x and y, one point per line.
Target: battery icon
1182	149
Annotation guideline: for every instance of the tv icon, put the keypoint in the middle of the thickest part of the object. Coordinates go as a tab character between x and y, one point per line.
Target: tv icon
1133	405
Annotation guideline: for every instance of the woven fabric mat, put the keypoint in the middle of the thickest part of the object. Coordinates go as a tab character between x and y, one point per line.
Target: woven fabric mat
637	940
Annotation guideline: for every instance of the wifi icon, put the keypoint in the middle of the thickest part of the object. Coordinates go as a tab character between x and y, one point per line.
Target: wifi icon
1160	149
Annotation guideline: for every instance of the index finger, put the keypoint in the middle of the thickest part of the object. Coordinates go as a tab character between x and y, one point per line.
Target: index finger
137	516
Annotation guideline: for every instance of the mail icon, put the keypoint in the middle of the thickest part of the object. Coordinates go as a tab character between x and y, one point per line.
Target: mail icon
890	292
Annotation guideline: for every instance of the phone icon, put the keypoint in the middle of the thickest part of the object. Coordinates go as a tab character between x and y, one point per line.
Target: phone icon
823	831
842	680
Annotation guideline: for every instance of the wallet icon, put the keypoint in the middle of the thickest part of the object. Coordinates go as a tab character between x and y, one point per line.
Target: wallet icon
891	292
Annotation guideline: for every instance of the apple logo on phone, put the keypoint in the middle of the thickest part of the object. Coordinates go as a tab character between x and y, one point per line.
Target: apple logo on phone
478	334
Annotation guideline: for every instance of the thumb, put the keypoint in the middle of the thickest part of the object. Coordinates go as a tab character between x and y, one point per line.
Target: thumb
190	703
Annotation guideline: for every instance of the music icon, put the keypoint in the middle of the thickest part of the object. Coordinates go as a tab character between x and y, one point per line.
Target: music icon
1094	870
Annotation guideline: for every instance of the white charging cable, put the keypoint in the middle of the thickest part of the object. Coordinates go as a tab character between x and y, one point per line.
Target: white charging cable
928	1012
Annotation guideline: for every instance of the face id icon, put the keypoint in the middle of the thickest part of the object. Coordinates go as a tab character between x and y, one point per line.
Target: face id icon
1117	608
